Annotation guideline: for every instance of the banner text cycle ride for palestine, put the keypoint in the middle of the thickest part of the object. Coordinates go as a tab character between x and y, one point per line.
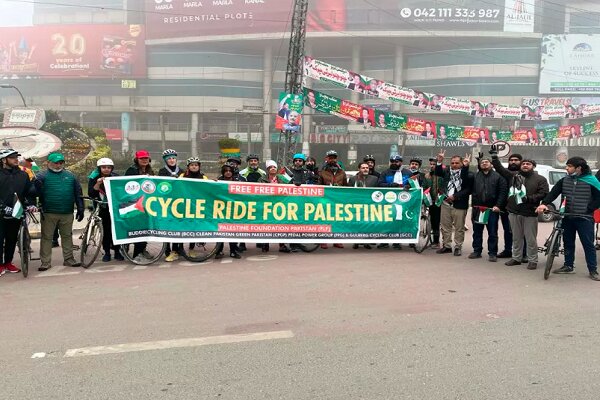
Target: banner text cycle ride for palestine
188	210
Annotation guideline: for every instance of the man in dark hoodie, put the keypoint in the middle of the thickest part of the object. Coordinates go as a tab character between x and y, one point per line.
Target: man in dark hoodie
369	159
489	197
514	166
580	191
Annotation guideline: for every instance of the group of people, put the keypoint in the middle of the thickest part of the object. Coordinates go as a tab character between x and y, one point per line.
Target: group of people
512	196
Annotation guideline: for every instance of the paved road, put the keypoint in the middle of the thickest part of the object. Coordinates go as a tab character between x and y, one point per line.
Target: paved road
335	324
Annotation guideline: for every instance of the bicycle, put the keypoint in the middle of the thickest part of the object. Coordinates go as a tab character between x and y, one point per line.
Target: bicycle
425	237
553	245
24	242
92	235
150	253
200	251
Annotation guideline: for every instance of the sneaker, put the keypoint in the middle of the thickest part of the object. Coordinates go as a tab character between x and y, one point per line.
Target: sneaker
492	258
339	246
505	254
219	255
72	263
397	246
242	247
594	276
140	259
233	254
532	265
12	268
457	252
355	246
368	246
172	257
444	250
2	270
284	249
106	257
565	269
324	246
193	253
474	255
119	256
512	262
383	246
44	267
524	260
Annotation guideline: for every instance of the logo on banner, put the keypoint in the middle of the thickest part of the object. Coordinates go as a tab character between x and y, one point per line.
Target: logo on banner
518	16
163	5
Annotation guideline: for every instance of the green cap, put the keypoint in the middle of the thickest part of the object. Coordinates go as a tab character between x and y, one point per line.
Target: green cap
56	157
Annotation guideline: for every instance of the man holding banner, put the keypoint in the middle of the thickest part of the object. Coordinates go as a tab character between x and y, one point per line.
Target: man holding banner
16	188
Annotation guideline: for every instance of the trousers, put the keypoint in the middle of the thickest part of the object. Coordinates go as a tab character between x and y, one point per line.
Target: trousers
9	232
524	228
452	223
50	222
584	227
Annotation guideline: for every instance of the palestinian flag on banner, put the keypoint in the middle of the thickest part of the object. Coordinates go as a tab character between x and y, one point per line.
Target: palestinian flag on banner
427	197
414	183
484	215
132	209
17	211
563	206
440	200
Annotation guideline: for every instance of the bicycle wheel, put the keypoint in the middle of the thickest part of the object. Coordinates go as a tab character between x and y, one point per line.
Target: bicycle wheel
309	247
198	252
91	243
23	245
152	252
424	239
552	252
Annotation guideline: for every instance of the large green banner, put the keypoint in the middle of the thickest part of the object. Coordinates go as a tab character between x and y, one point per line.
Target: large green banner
188	210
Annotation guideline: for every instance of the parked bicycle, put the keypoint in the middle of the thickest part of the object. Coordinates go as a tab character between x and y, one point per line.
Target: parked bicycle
92	235
425	237
24	242
553	247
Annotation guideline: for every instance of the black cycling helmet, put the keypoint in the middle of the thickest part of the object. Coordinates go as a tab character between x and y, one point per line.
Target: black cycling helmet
252	157
368	157
417	160
331	153
234	160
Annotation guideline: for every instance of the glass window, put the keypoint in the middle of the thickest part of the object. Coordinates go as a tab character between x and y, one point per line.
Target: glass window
556	176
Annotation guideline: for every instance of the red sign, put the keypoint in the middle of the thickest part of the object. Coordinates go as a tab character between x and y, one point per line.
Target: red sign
477	135
185	18
420	127
528	136
67	51
113	134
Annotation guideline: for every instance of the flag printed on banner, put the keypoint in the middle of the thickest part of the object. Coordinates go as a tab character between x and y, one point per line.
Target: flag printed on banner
484	215
427	197
563	206
17	211
132	209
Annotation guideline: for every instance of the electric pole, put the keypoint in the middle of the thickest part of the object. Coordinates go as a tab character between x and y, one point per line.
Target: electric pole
288	140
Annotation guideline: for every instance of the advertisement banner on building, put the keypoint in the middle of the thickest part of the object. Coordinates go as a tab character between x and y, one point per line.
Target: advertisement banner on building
183	18
195	210
525	136
289	113
570	64
391	121
72	51
24	117
519	15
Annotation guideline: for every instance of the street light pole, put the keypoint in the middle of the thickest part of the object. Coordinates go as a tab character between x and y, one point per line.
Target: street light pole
7	86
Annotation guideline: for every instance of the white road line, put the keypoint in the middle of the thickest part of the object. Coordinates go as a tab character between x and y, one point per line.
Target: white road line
226	261
38	355
177	343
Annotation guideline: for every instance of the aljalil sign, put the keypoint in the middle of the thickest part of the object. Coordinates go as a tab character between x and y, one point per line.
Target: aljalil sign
186	210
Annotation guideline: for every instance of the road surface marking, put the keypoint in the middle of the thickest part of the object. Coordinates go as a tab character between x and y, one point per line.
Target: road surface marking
226	261
38	355
177	343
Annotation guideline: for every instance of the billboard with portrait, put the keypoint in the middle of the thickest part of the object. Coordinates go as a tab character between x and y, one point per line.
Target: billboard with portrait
71	51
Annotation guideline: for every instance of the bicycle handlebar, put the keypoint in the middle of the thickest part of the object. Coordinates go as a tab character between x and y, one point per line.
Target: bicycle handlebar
94	200
567	214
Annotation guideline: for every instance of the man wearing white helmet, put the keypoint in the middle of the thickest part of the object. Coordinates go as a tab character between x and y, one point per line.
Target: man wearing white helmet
14	183
96	190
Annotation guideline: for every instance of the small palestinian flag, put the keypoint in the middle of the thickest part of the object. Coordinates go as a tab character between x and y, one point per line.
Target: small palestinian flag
563	206
132	209
519	193
440	200
17	211
414	183
427	197
484	216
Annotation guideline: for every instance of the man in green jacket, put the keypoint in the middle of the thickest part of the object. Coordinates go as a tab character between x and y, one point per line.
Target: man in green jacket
59	191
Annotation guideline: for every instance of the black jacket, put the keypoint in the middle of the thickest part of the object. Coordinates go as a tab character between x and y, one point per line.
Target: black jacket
301	176
13	181
461	199
489	190
95	194
368	181
135	170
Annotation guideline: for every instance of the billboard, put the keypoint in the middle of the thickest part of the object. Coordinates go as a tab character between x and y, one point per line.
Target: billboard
570	64
184	18
71	51
519	15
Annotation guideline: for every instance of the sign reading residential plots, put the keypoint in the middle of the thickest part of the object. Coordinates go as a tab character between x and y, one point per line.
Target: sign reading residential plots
570	64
